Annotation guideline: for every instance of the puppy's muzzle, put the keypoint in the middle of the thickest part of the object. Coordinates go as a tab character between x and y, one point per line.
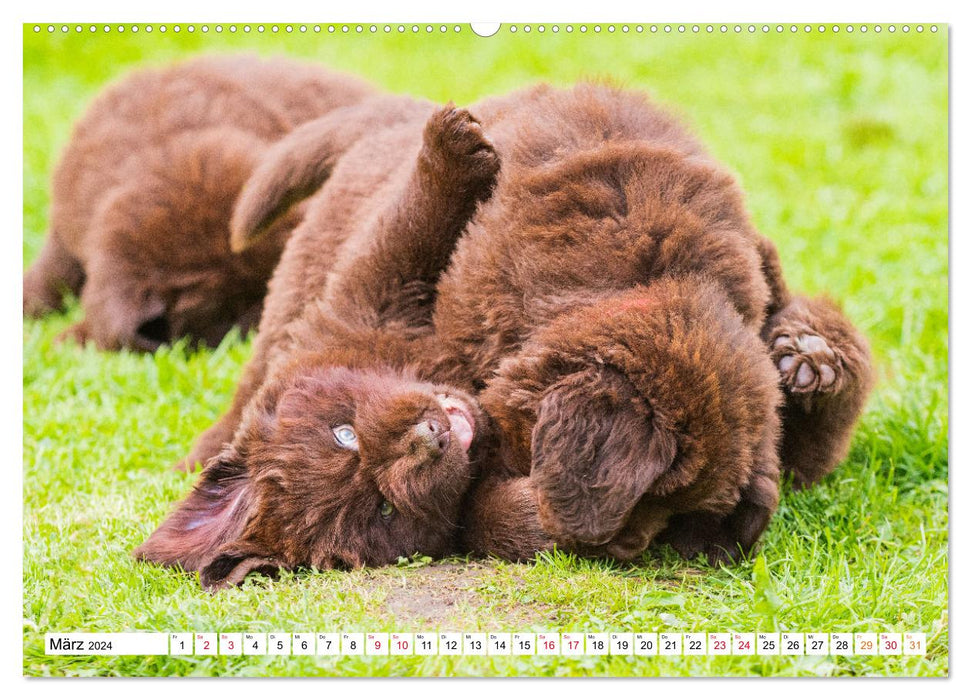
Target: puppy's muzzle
432	434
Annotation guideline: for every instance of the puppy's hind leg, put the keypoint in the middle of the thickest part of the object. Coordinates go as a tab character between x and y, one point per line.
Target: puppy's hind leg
826	376
55	273
394	277
210	443
216	436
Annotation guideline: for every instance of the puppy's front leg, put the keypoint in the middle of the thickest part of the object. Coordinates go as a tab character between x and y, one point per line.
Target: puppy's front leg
826	375
394	277
825	370
54	273
502	520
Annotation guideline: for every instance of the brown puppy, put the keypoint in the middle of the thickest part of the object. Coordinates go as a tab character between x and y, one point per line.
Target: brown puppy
339	461
606	301
335	467
142	197
640	406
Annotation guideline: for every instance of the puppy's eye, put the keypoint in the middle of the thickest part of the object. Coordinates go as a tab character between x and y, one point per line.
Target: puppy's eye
346	437
386	509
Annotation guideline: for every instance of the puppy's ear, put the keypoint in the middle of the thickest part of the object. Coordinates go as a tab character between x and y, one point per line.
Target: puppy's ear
233	564
596	451
211	516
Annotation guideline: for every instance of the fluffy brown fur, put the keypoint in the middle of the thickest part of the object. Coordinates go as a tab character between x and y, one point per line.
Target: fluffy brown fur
143	194
289	491
605	304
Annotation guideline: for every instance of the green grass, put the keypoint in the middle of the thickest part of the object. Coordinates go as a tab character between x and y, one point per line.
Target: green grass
841	142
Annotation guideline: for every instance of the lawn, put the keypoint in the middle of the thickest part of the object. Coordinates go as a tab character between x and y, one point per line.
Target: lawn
841	143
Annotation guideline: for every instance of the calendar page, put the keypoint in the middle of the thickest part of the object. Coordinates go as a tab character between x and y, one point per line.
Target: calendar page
448	349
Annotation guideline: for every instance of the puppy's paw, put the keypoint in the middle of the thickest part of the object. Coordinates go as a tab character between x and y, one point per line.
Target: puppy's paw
691	544
806	362
78	333
725	538
458	148
39	301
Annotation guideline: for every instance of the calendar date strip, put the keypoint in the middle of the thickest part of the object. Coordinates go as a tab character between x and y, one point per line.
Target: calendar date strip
486	644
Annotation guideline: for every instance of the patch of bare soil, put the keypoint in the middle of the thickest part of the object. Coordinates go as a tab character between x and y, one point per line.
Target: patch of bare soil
435	594
446	594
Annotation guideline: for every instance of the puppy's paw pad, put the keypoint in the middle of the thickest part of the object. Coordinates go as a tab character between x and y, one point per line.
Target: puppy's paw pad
827	375
806	362
805	376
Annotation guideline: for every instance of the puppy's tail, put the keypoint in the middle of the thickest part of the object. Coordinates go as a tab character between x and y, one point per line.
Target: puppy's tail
297	165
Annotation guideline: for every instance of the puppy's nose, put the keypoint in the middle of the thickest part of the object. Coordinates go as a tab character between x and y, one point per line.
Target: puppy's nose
433	433
152	334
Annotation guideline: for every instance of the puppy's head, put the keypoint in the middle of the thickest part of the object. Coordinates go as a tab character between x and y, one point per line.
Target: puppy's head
159	264
644	404
332	467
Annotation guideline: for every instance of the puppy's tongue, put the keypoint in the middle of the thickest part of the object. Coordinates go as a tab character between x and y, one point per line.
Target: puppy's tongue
460	422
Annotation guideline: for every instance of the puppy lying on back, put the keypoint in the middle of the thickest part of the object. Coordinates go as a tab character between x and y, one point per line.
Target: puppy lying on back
606	304
344	460
142	196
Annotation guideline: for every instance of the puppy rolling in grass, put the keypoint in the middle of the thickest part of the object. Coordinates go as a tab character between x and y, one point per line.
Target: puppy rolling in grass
625	330
142	196
346	456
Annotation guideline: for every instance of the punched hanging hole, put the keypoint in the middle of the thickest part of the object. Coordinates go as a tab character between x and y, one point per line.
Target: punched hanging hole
485	29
